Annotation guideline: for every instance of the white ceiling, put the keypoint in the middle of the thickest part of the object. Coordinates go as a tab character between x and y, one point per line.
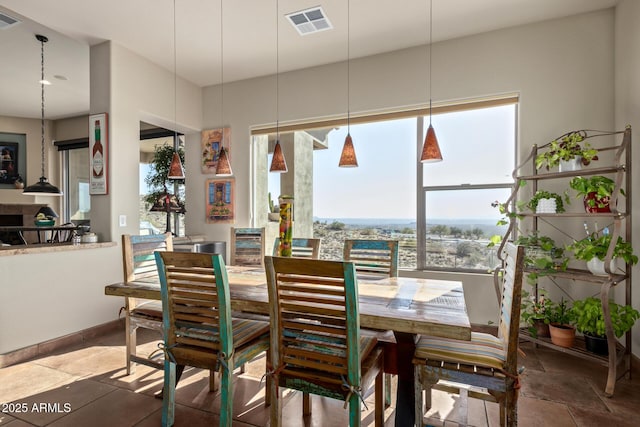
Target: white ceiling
249	33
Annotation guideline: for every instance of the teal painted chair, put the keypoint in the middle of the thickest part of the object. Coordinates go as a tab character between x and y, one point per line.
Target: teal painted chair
316	345
301	247
247	246
377	258
486	362
198	328
373	257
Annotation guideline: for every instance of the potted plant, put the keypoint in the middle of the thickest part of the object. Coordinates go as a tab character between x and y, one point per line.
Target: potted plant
536	313
561	329
274	210
567	152
541	252
547	202
593	249
596	191
589	320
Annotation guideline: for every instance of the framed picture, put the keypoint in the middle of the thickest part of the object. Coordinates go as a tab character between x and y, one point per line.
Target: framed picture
211	142
98	154
10	162
220	200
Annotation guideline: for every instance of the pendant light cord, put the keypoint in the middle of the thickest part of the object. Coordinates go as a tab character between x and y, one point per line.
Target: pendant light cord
42	40
348	68
175	82
277	72
430	49
221	74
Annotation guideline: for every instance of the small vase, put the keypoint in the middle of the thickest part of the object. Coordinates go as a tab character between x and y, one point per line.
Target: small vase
596	266
597	345
562	335
574	164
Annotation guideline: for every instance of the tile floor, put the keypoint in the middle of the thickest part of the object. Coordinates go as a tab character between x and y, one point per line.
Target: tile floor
86	385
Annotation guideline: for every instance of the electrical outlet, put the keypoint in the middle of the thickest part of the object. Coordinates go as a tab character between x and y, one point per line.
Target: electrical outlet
123	220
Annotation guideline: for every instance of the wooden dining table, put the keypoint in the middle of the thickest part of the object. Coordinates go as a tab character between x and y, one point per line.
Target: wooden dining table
407	306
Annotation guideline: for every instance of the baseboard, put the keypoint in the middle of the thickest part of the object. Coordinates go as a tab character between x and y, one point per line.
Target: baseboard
47	347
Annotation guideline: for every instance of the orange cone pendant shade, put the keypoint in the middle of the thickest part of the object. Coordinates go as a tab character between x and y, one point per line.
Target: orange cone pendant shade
348	157
278	163
223	168
176	171
431	150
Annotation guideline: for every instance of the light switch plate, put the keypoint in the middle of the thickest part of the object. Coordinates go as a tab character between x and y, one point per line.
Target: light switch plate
123	220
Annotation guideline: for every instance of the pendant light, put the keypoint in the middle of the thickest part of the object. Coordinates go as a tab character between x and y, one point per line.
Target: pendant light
223	167
348	157
42	187
431	150
176	170
278	162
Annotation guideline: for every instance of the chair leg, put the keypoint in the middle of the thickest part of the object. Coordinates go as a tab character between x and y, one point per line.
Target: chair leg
169	394
269	380
381	386
130	338
306	404
212	381
387	390
417	385
226	395
276	404
511	408
242	368
354	411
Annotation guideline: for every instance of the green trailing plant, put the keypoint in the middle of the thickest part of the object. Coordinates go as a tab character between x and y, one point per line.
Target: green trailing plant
561	314
600	185
565	148
542	254
533	309
596	247
589	317
543	194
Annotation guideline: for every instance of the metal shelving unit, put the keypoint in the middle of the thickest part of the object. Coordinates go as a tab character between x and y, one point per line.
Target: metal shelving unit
620	170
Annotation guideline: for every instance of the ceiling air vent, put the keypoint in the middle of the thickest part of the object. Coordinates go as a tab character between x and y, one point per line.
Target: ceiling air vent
309	21
6	21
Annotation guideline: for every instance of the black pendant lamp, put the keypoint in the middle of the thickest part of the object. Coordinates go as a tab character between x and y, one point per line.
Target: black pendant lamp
42	187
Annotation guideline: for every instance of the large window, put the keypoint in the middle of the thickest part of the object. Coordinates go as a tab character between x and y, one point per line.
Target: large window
442	212
478	147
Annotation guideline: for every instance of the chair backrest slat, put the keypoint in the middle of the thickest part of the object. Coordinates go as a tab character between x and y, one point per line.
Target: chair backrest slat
138	260
247	246
301	247
195	300
314	316
373	257
508	328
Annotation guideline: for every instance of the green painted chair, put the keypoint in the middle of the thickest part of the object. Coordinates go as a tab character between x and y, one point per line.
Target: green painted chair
316	345
301	247
198	328
486	362
377	258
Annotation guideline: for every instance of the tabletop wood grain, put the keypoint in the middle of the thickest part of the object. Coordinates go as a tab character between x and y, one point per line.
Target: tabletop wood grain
401	304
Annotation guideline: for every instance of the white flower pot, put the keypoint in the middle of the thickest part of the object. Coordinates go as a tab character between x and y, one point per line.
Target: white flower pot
596	266
574	164
546	206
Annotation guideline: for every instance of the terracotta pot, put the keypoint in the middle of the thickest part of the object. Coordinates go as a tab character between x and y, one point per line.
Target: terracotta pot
598	201
562	335
597	345
542	329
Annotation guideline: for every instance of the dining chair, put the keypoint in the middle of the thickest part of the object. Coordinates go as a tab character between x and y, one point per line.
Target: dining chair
487	362
198	328
374	258
247	246
316	346
301	247
139	265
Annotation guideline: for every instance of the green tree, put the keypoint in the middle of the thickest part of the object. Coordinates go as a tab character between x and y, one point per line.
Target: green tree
455	231
336	226
440	230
